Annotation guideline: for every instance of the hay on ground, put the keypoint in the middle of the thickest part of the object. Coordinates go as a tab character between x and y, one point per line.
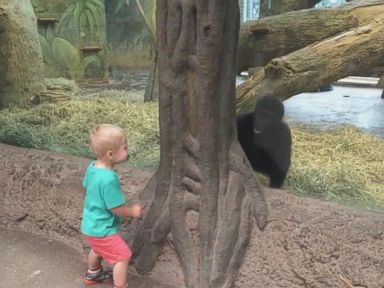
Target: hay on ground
344	165
63	127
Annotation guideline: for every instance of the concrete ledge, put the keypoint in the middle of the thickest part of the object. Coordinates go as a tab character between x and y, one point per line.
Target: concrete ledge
359	81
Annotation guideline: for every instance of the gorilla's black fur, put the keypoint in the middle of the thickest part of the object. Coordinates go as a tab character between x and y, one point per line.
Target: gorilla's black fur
266	139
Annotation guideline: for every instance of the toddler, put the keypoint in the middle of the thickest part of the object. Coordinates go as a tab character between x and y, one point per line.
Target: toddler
104	206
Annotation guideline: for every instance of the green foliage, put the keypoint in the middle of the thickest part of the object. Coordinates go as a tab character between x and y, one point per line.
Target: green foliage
66	56
17	134
85	14
81	24
148	12
61	58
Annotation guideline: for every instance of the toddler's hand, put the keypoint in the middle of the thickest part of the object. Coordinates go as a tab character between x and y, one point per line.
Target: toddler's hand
136	211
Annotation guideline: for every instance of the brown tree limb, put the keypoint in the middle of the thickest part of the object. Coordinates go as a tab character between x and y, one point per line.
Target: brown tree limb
304	70
288	32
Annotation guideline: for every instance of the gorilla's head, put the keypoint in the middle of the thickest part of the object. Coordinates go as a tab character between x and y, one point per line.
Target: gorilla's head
268	112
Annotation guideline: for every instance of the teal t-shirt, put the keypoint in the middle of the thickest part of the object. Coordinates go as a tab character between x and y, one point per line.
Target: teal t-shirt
103	192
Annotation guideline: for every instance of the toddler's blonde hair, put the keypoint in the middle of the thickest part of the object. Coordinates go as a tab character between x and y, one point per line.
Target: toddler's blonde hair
106	137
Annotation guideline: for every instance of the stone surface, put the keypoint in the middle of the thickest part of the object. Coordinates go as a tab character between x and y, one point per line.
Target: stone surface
306	243
32	261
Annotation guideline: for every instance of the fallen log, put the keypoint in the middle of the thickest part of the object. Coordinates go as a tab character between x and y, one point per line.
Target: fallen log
271	37
318	64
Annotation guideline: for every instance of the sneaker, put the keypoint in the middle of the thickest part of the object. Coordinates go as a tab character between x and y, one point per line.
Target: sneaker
96	278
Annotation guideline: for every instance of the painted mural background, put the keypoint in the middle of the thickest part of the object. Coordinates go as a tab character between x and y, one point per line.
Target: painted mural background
81	38
121	33
131	32
68	28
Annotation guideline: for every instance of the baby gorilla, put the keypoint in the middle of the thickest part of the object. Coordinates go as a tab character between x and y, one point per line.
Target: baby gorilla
266	139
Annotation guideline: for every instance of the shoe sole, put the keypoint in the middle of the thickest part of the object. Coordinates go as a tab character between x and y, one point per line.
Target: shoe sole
92	282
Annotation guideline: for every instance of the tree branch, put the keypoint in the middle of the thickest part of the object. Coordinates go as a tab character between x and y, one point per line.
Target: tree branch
288	32
304	70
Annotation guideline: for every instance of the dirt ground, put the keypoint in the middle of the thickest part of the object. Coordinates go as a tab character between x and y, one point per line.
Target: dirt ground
29	260
307	242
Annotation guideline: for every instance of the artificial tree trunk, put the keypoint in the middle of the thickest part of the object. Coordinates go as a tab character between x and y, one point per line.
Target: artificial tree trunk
355	51
202	166
273	7
271	37
21	62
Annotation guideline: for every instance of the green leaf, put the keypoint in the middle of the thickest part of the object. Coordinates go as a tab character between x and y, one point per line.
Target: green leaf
93	16
92	25
83	22
77	12
68	14
147	10
66	55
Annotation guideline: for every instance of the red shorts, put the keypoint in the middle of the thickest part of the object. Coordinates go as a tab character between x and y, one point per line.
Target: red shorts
112	248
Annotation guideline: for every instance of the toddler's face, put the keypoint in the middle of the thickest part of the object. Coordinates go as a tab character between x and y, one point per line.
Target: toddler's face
121	154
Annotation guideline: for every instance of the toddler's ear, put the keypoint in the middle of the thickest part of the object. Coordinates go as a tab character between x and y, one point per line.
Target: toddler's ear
110	154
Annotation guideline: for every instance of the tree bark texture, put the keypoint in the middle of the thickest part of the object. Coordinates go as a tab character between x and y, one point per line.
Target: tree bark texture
202	166
276	7
357	50
271	37
381	82
381	85
21	62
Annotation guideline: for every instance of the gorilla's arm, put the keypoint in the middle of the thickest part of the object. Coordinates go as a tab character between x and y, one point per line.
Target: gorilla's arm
281	155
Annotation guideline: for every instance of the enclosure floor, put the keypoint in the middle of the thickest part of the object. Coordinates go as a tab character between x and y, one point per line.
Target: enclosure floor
344	105
32	261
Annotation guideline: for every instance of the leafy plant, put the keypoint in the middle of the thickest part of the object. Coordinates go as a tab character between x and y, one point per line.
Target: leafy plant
148	12
83	14
60	57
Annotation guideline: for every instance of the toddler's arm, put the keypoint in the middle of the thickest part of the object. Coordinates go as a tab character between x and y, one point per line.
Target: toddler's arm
133	211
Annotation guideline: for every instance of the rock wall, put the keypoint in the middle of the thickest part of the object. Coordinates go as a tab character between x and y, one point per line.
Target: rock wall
306	243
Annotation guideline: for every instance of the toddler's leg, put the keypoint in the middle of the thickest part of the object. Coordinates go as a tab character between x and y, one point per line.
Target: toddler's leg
120	274
95	273
94	262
